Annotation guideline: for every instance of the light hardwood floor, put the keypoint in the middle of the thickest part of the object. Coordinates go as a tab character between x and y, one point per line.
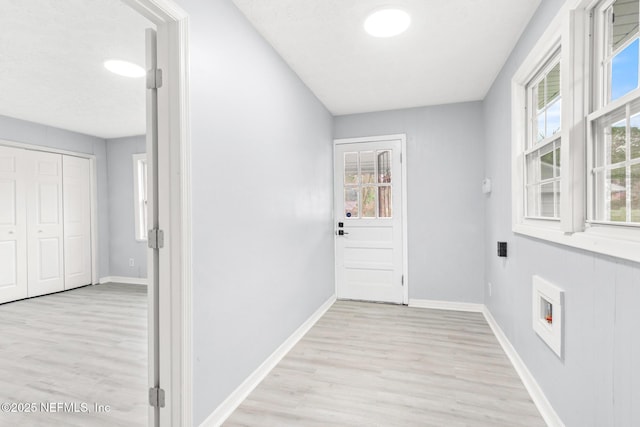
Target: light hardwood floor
368	364
84	345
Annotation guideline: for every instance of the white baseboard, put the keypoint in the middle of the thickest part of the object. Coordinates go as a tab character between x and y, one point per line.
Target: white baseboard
122	279
446	305
537	395
226	408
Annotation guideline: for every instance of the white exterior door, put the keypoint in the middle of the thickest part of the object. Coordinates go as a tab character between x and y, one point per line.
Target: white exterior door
44	219
76	181
368	213
13	226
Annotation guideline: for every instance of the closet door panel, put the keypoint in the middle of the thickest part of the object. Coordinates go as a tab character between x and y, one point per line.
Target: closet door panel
77	221
45	226
13	230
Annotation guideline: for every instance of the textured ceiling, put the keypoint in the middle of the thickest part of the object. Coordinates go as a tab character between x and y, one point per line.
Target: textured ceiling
51	72
452	52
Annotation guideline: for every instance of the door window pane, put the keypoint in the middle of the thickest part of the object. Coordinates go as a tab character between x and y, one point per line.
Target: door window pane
351	202
350	168
367	167
367	184
384	166
384	202
369	202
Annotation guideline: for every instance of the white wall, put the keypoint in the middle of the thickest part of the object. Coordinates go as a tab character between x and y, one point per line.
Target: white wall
598	382
36	134
445	202
122	244
262	200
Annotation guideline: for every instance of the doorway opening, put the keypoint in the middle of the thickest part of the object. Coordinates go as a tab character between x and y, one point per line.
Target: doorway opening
49	132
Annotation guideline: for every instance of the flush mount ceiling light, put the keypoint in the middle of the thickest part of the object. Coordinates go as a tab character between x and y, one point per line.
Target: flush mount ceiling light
387	23
124	68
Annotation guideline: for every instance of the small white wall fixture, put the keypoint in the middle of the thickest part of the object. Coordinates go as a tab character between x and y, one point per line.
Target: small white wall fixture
547	313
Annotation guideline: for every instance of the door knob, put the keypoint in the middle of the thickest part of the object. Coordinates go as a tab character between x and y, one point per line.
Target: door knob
342	232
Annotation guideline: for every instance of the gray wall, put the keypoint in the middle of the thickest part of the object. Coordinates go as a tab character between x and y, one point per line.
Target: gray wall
122	244
445	203
598	382
36	134
262	200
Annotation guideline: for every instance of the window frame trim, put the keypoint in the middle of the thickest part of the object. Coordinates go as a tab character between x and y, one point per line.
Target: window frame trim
140	235
571	29
548	47
599	108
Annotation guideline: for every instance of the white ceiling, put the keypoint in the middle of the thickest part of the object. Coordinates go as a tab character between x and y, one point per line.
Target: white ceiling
52	51
452	52
51	72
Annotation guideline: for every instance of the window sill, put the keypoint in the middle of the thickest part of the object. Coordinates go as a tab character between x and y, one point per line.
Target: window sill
593	240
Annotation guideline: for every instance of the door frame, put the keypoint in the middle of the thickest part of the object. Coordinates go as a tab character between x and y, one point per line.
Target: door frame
403	171
174	183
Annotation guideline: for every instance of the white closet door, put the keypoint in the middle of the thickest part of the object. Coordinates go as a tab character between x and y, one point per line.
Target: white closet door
77	221
44	219
13	228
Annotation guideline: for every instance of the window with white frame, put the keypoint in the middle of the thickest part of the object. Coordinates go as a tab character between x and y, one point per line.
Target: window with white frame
614	122
140	195
542	154
576	166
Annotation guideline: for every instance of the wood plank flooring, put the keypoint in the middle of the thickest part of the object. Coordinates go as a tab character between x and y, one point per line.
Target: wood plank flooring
84	345
368	364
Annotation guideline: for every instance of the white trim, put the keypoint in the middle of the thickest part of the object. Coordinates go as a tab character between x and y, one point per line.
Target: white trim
550	330
140	235
537	395
589	240
93	172
226	408
123	279
176	314
45	149
377	138
403	167
446	305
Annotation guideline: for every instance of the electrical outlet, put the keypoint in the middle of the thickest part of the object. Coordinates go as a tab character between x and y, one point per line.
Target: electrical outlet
489	288
132	262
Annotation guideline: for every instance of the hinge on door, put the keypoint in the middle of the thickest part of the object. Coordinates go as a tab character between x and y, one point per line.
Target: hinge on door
154	78
155	238
156	397
402	280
